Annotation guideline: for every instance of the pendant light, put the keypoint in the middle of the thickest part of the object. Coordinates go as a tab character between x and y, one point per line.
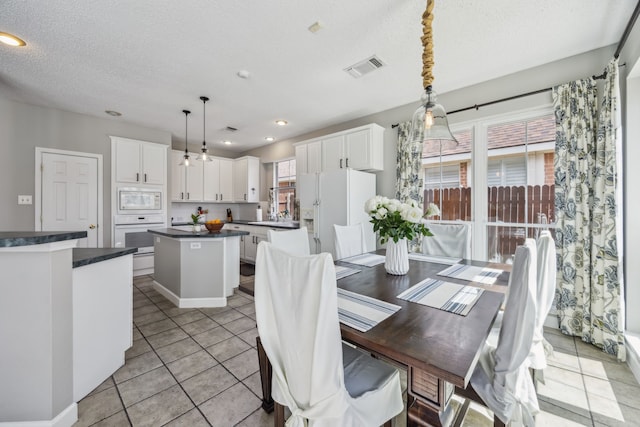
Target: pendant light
429	124
186	161
204	156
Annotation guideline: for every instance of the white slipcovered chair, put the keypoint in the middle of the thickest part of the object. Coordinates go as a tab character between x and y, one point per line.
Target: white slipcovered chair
501	380
546	249
349	240
295	242
450	240
317	377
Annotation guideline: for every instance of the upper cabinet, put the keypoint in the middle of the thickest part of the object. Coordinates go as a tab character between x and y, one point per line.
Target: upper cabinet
202	182
360	148
139	162
218	180
186	181
309	157
246	179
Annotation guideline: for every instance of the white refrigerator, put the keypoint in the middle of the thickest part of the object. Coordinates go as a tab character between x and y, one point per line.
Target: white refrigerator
336	197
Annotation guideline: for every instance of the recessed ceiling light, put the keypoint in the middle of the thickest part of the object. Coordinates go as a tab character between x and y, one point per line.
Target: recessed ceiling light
269	138
243	74
113	113
11	40
281	122
315	27
226	142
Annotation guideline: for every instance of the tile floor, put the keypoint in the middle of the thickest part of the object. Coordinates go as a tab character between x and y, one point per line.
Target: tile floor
198	367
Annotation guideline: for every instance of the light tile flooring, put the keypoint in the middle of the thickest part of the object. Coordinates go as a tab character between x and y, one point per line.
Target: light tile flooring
198	367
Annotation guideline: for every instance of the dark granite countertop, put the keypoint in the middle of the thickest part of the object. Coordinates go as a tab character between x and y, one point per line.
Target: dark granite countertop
26	238
86	256
289	225
179	234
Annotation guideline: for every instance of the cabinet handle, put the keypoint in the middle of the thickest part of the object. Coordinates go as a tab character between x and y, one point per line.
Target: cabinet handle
340	163
216	197
137	177
245	196
347	162
220	196
145	177
181	196
187	195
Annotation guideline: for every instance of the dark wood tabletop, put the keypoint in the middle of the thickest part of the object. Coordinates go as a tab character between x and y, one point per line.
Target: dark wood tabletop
444	344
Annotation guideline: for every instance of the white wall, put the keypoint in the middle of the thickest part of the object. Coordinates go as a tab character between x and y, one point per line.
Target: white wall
24	127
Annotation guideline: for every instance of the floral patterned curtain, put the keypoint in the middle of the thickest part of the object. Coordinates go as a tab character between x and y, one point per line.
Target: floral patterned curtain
588	294
408	167
409	173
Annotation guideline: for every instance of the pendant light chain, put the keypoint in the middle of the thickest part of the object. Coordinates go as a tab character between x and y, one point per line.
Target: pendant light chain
186	114
427	44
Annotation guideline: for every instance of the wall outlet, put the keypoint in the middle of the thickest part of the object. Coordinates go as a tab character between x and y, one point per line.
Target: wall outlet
195	245
24	199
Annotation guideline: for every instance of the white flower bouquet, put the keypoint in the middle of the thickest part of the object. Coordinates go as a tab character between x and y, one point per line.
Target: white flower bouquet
395	220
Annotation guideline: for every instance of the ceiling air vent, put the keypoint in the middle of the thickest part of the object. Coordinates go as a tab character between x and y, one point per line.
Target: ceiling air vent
364	67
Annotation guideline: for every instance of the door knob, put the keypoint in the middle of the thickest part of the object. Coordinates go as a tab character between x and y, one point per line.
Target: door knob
92	226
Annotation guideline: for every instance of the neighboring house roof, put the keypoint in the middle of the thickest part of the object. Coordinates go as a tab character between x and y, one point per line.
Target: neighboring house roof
535	131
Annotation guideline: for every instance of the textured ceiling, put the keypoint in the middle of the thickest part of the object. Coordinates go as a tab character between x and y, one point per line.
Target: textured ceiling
149	59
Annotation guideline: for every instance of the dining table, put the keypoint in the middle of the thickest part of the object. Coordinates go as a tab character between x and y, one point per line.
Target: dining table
439	349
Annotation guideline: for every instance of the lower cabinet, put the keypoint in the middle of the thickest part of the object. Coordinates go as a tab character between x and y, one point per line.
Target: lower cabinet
249	244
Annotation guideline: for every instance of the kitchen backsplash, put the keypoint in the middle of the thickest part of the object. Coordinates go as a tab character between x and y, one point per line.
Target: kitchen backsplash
181	212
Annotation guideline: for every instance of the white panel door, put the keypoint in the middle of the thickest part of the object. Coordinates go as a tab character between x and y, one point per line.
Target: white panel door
70	195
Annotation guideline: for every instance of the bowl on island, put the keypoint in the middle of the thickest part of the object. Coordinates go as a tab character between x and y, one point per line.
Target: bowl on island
213	226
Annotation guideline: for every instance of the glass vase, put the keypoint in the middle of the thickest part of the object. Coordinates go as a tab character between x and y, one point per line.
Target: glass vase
397	257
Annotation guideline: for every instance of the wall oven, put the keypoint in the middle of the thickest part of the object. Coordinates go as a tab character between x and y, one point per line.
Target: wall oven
131	231
131	200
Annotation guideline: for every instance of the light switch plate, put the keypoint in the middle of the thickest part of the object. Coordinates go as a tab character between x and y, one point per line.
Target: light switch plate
24	199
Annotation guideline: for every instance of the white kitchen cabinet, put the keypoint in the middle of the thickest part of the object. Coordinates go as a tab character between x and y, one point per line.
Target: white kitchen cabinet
360	148
246	179
139	162
218	180
309	157
186	182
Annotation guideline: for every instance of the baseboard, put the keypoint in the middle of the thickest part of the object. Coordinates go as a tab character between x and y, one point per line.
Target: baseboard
552	321
632	342
189	302
66	418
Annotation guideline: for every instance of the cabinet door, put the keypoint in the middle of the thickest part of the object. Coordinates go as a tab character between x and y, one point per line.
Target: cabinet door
240	180
242	253
314	157
154	164
177	188
253	179
128	162
357	150
194	180
301	159
332	150
250	247
226	180
211	178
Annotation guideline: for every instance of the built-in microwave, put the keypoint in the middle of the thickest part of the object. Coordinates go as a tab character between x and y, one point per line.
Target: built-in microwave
139	200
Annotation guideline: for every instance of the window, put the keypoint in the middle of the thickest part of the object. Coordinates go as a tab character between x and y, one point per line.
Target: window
285	186
451	190
520	184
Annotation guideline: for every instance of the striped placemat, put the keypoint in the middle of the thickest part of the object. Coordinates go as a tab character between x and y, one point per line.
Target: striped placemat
362	312
451	297
342	272
471	273
368	260
435	259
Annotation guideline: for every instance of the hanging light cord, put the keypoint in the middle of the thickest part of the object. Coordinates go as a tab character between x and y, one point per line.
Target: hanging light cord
427	44
186	113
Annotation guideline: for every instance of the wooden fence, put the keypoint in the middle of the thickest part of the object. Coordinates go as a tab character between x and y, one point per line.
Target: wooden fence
505	204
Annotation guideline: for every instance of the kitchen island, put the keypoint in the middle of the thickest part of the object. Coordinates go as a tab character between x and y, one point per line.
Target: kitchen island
196	269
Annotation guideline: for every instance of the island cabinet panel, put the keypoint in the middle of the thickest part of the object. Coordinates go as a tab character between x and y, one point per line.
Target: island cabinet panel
196	269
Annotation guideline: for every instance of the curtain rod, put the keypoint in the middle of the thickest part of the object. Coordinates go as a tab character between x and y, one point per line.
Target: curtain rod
509	98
